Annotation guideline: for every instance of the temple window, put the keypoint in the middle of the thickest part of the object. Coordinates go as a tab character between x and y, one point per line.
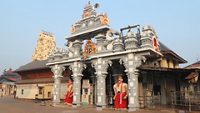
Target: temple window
40	90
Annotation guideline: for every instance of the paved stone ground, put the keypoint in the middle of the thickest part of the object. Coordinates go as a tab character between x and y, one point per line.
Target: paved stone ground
10	105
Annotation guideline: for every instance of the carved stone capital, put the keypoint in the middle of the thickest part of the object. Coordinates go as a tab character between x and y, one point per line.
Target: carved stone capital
101	66
75	48
132	60
100	38
57	71
77	68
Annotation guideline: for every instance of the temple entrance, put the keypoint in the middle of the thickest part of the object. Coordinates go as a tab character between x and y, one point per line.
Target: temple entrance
112	78
88	85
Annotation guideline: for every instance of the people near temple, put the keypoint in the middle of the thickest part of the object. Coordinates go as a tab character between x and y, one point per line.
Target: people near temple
15	91
120	97
69	95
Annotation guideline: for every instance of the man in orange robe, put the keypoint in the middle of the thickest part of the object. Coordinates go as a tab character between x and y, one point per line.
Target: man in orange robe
69	95
120	97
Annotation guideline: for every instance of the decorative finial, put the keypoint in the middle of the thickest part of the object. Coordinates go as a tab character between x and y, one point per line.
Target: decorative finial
96	5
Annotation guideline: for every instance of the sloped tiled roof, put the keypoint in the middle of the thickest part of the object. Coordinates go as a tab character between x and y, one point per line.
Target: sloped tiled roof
163	47
10	77
165	50
195	65
34	65
41	80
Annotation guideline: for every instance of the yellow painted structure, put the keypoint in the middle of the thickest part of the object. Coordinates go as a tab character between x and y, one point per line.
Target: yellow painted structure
163	63
176	65
170	64
32	91
45	45
27	91
40	91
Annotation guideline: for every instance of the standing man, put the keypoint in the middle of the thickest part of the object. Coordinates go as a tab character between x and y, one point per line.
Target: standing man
14	92
1	92
120	97
69	95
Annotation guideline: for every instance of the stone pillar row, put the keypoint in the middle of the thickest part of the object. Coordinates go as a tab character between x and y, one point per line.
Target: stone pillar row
130	61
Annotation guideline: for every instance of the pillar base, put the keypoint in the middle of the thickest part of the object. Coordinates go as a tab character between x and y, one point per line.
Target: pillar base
76	105
55	104
132	109
100	107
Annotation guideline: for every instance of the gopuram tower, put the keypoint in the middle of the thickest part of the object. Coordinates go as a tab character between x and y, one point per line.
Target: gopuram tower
45	45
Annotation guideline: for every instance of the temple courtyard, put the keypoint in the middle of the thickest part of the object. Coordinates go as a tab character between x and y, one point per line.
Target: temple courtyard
10	105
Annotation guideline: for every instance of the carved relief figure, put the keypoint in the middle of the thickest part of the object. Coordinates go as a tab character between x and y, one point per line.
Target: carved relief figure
73	29
89	49
109	39
70	48
104	20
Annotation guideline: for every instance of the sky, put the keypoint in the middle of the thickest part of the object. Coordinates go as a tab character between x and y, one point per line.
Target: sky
177	23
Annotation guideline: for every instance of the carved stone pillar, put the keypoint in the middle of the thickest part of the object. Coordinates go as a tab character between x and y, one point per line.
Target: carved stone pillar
57	71
77	44
100	38
101	66
131	62
77	68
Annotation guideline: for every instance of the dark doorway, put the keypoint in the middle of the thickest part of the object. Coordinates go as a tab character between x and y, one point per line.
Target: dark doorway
113	72
89	74
156	90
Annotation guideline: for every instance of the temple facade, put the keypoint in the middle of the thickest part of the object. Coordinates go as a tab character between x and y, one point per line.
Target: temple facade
96	54
36	78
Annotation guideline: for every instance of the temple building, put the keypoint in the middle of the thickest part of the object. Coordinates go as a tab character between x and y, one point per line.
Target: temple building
36	78
7	83
96	54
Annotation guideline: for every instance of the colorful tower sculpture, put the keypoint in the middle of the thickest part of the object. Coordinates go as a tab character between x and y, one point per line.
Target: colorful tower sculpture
45	45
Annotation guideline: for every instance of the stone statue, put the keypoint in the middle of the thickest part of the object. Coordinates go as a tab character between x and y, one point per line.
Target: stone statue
130	34
109	40
70	48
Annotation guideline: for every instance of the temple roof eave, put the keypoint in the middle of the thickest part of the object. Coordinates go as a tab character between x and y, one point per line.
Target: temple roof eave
110	55
84	34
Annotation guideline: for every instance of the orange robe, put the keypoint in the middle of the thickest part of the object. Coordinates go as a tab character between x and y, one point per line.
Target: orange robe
121	100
